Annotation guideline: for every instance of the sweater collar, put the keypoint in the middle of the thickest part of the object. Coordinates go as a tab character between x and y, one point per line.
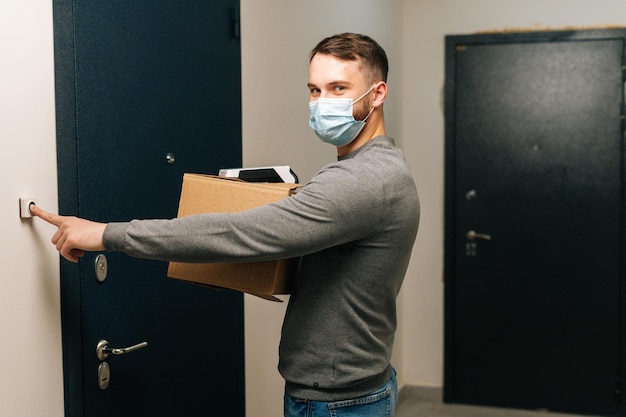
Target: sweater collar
378	140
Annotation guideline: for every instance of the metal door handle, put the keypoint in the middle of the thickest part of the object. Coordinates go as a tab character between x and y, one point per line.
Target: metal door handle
103	350
471	235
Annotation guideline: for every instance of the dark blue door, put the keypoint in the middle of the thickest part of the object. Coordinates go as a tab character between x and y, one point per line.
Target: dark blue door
146	90
534	222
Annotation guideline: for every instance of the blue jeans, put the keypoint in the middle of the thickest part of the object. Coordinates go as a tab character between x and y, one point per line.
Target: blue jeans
380	403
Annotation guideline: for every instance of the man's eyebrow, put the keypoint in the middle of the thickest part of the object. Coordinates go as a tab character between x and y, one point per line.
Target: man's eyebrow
340	82
333	83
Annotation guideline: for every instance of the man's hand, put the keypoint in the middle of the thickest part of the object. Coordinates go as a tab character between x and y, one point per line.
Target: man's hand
74	235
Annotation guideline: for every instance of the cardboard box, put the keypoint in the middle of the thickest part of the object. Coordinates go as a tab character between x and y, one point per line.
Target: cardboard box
210	194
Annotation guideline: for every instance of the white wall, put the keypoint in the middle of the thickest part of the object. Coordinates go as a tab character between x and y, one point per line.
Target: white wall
31	376
277	35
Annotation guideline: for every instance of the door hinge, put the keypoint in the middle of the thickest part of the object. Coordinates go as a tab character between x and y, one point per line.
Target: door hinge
623	88
235	21
618	391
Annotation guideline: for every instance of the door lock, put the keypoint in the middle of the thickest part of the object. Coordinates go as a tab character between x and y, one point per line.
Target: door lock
104	375
101	267
103	350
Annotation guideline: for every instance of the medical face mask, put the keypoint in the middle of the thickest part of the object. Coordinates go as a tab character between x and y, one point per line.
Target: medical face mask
333	119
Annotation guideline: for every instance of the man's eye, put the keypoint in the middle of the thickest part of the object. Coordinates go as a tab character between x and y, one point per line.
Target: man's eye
340	88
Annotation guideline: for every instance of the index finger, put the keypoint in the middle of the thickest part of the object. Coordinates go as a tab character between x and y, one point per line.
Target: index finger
45	216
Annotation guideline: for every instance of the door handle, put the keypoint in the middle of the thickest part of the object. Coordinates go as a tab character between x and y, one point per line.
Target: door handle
103	350
472	235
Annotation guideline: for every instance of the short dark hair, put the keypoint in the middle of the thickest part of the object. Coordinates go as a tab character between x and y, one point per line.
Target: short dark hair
353	47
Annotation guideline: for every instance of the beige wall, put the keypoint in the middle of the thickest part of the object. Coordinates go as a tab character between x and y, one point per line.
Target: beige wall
30	328
277	35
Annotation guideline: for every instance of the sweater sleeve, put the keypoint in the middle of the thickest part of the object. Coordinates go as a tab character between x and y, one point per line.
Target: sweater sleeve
330	210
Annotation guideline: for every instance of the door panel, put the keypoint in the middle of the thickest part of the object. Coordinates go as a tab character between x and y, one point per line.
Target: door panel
142	84
534	160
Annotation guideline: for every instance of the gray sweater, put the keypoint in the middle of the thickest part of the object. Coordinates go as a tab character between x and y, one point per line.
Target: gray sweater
354	225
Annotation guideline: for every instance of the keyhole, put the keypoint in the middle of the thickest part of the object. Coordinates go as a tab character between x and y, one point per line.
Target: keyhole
101	267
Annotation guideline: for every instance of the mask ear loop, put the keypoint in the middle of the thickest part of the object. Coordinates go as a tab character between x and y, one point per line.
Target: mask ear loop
364	94
368	115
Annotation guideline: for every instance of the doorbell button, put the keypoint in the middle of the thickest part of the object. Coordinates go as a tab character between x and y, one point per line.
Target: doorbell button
25	203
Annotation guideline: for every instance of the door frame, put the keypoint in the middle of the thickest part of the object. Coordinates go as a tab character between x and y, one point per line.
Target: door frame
450	232
65	107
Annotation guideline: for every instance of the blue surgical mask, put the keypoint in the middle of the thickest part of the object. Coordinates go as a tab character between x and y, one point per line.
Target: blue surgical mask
333	119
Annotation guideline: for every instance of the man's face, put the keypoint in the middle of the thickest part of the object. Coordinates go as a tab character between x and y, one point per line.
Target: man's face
331	77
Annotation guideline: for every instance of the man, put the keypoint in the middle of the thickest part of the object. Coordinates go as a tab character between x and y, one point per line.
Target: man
353	224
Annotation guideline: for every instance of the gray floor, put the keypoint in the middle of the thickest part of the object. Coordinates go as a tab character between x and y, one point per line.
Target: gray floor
426	402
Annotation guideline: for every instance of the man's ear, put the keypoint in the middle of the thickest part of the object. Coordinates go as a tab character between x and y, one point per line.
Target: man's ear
380	91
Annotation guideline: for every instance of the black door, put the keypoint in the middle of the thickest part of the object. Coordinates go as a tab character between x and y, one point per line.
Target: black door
146	90
534	210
